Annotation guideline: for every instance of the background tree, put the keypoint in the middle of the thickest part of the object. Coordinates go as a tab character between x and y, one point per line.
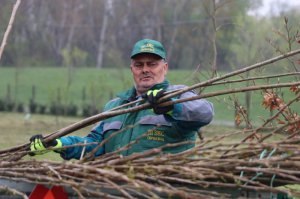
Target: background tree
105	31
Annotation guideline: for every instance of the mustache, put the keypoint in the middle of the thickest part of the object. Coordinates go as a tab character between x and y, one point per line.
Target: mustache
146	74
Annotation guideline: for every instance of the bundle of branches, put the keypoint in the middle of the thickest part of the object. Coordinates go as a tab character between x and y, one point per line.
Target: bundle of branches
203	171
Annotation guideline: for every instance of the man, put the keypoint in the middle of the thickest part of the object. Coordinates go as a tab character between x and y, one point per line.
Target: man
150	128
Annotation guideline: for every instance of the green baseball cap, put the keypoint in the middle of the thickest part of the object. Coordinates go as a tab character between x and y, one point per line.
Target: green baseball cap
148	46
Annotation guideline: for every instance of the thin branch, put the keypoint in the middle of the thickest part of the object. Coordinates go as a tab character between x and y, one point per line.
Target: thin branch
8	29
13	191
248	68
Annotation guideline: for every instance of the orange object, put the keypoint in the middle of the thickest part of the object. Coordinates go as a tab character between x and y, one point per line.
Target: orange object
42	192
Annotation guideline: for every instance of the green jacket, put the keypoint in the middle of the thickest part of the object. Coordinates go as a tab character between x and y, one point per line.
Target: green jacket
144	127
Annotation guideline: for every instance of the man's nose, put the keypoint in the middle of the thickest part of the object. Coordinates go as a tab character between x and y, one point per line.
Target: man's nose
145	67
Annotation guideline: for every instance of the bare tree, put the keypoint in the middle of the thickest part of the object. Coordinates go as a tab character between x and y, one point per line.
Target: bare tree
101	46
10	23
178	9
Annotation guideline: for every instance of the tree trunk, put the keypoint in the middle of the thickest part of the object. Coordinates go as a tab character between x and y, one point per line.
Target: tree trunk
101	46
178	9
214	40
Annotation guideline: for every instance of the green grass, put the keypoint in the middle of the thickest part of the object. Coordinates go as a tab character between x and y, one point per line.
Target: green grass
15	130
98	84
102	85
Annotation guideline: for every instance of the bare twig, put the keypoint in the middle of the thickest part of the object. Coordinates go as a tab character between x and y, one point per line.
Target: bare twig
8	29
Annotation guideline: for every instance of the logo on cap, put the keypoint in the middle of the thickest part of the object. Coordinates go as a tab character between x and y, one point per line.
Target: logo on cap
147	48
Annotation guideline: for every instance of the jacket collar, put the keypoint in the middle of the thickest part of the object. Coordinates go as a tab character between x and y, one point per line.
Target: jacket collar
130	95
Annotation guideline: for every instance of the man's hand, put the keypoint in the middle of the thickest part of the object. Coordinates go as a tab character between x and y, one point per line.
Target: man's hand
152	96
38	146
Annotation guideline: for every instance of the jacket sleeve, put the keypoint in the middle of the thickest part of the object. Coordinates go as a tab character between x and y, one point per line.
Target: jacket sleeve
194	114
96	135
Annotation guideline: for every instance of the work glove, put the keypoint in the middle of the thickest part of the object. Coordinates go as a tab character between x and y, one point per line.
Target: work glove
38	146
152	96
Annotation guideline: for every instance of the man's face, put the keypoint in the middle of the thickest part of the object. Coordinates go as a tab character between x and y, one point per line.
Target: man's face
147	70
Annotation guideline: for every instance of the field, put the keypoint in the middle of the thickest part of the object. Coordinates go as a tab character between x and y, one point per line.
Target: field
15	130
94	86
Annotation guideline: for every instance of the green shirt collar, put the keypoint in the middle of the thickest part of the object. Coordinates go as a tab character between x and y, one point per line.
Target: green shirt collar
131	93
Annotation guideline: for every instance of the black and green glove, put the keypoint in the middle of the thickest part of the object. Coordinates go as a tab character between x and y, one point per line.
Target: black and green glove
38	146
152	96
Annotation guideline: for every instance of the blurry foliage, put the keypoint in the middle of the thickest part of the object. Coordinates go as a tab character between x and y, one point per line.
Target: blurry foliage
76	57
43	30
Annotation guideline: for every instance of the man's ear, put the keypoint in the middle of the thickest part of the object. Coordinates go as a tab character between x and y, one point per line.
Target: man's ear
166	67
130	67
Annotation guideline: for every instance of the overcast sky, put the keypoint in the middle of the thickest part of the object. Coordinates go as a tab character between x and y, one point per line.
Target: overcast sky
275	6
